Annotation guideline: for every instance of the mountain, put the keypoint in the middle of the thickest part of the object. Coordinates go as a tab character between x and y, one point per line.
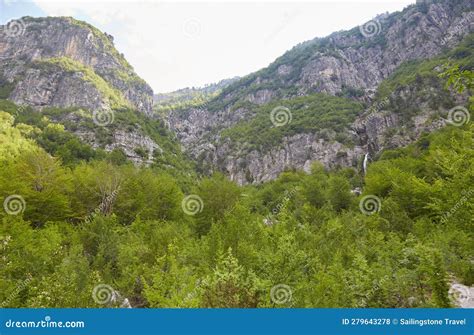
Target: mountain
102	208
45	58
336	98
74	75
191	95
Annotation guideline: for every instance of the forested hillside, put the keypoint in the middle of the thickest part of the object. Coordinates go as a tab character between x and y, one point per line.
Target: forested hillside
71	228
342	175
384	74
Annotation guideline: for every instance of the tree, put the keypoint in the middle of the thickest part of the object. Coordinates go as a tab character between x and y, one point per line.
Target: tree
218	195
230	285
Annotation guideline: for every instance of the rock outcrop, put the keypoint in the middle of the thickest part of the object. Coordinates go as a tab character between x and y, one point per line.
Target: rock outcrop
63	62
351	64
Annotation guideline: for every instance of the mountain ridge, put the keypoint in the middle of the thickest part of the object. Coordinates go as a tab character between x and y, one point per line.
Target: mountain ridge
347	64
230	127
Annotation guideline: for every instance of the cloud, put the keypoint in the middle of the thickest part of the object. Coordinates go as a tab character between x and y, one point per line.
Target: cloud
174	45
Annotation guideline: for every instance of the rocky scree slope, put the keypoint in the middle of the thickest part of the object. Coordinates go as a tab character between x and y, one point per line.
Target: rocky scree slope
343	73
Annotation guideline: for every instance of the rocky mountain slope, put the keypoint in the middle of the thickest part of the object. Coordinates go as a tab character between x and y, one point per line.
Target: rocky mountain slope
235	132
45	57
339	100
72	73
190	94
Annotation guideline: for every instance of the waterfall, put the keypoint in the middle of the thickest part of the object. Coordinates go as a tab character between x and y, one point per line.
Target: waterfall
366	162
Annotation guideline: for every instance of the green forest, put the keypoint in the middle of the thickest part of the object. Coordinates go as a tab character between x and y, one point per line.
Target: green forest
84	228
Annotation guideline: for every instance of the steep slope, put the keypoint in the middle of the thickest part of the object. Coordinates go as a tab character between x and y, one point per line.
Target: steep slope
72	73
190	96
63	62
235	132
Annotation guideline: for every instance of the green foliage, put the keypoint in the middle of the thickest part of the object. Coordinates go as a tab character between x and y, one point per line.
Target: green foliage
309	114
87	221
97	222
52	130
230	285
114	96
460	58
219	195
5	88
106	41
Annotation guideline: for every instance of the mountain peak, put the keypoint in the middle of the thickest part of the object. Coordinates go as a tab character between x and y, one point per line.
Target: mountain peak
40	56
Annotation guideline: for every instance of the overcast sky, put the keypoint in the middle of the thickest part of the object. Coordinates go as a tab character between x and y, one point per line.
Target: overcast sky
183	44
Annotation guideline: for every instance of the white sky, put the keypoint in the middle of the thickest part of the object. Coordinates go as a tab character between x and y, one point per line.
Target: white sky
182	44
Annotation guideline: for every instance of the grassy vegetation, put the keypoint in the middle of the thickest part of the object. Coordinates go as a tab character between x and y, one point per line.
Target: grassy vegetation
5	88
309	114
53	133
317	241
114	96
105	41
420	70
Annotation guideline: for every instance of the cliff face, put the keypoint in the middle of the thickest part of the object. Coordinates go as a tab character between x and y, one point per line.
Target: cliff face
332	100
352	65
63	62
